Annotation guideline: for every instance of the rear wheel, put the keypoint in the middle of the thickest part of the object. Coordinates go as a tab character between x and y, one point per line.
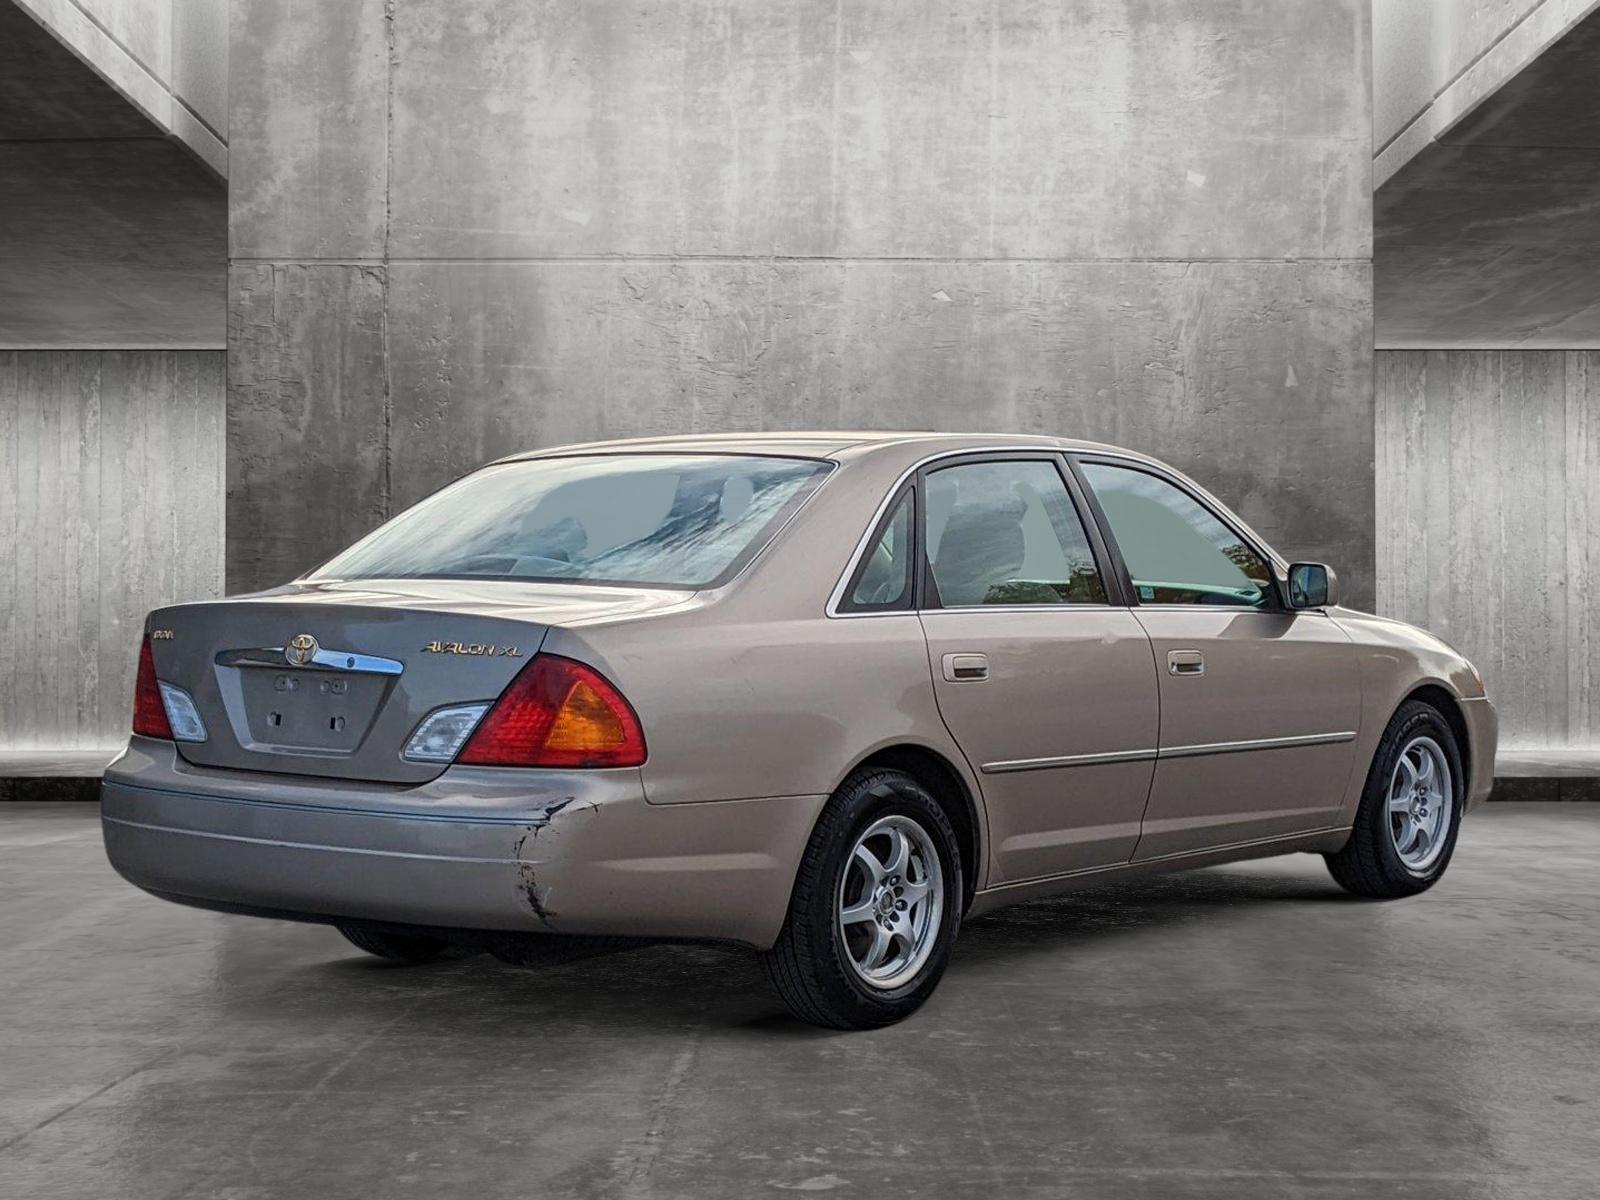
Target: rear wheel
1405	830
396	947
875	907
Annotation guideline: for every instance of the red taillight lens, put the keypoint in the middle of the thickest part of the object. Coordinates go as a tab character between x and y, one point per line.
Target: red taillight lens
557	713
149	714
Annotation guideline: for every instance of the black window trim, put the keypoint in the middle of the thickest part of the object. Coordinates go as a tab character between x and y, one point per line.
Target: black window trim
1076	461
927	596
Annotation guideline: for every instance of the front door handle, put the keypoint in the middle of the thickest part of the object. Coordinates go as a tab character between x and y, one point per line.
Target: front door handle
1186	662
966	668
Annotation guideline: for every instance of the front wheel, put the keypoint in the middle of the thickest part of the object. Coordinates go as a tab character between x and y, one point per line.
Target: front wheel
1405	830
875	907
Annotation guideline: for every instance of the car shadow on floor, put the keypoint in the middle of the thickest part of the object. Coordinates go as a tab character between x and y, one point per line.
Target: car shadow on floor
1201	896
706	986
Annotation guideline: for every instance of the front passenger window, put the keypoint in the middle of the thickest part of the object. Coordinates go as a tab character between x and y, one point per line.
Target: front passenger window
1176	551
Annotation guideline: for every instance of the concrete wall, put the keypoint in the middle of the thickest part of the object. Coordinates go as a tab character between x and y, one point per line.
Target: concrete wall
1489	525
168	58
110	504
1435	61
463	228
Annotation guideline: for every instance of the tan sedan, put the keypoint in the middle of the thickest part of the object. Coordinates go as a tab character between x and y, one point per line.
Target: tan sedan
823	694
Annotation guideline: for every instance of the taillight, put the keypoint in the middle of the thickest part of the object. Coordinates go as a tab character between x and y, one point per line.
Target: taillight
557	713
149	713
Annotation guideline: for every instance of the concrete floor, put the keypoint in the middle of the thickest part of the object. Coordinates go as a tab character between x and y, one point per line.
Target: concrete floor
1234	1032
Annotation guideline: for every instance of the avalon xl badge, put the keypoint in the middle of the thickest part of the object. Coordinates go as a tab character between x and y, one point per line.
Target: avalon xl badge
302	648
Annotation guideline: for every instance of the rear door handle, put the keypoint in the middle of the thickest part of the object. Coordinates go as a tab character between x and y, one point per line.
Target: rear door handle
1186	662
966	668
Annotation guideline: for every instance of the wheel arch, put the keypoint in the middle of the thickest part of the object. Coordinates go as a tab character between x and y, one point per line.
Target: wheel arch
1440	698
949	786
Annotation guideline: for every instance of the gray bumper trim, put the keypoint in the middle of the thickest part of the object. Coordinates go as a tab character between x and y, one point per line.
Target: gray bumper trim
473	818
281	842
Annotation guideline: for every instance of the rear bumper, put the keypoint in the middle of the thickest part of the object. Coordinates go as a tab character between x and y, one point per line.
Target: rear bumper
576	852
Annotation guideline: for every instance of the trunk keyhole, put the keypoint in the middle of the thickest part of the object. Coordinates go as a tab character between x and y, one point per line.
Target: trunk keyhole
274	718
336	724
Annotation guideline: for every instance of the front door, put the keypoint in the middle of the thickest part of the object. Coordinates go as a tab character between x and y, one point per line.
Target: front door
1048	688
1259	704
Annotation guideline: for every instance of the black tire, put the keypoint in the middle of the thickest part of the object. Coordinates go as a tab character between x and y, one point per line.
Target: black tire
396	947
1369	864
809	964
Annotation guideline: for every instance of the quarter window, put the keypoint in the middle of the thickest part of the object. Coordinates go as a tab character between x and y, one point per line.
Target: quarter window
1008	533
1176	550
884	579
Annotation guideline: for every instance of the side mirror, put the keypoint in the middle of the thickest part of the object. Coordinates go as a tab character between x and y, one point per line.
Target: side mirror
1312	585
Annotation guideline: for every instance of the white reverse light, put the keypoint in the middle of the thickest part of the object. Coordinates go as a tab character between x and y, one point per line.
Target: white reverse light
442	733
182	715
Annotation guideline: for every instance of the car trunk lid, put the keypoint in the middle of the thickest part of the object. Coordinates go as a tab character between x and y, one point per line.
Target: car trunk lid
331	679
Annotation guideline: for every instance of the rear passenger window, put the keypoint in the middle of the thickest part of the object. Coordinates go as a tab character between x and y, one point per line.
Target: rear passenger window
1007	533
883	580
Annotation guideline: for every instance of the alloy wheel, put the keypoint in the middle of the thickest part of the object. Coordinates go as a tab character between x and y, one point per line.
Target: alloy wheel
891	902
1421	803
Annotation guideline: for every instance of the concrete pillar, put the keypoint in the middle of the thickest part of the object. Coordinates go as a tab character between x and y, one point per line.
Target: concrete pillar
464	227
1489	524
111	468
112	252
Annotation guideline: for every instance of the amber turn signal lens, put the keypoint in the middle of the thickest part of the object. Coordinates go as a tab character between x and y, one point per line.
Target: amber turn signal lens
149	713
557	713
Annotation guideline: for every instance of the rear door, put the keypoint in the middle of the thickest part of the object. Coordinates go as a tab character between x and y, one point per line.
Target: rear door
1260	705
1044	680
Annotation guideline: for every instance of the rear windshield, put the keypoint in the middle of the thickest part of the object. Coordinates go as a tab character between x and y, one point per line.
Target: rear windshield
687	521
